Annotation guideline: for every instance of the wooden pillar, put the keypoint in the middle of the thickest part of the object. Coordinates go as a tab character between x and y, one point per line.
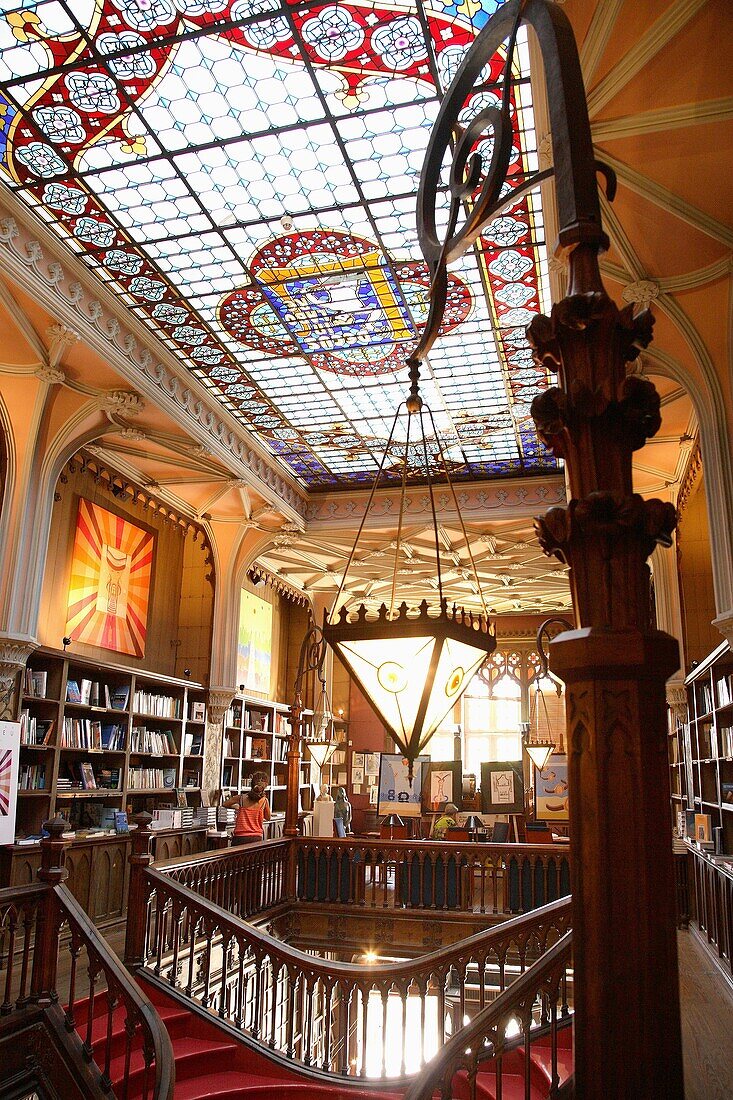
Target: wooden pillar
294	756
627	1032
137	900
48	924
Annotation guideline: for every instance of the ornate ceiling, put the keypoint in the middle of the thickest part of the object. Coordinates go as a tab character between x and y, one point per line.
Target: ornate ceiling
668	138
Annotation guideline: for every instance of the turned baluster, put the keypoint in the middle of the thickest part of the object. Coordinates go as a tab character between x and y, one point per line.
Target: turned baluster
52	872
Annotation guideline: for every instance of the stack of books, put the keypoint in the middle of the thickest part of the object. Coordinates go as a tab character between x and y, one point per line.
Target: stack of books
226	816
187	817
206	815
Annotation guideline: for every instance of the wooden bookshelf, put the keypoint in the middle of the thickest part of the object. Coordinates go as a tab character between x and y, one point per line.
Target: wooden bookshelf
255	740
701	750
92	733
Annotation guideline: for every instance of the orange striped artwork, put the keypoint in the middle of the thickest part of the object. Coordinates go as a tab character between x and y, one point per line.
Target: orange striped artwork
109	589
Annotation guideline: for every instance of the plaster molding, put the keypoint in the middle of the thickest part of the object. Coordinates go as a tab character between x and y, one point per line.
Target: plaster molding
52	376
642	292
677	699
510	498
644	49
220	700
14	652
663	118
122	403
667	200
33	257
597	36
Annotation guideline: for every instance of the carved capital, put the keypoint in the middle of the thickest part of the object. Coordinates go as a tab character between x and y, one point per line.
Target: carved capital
677	700
14	653
606	540
122	403
220	700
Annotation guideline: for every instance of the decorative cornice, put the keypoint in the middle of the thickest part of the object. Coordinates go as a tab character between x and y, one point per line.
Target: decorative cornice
512	497
258	575
122	403
14	652
31	255
677	699
51	375
219	702
689	478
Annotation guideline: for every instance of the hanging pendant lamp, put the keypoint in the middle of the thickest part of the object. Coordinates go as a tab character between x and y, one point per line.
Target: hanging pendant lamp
412	663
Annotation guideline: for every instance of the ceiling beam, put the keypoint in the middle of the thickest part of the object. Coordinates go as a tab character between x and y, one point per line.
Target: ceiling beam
667	200
669	24
20	319
663	118
597	36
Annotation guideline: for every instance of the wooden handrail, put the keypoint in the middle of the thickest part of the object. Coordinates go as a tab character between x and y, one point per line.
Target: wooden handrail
485	1037
112	1026
314	1011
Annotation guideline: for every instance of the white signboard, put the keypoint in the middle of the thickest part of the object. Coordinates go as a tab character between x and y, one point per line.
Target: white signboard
9	755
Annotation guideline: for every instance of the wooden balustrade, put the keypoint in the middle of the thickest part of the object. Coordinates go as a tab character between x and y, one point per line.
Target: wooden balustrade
491	879
57	971
347	1019
531	1010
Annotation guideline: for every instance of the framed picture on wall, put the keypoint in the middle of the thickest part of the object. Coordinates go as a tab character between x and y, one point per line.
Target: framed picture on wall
397	794
502	787
551	790
254	643
109	586
442	782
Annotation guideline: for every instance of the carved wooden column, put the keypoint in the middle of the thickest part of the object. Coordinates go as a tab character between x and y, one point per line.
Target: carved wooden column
627	1035
51	872
137	902
294	757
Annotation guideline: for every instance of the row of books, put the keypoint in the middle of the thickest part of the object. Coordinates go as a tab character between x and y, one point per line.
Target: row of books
724	691
92	693
35	731
705	746
32	777
88	733
158	741
726	742
704	698
193	744
161	706
257	719
150	779
82	777
35	683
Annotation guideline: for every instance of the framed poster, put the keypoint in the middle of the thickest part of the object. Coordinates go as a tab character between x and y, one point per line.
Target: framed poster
397	795
254	643
502	787
441	782
9	757
109	586
551	790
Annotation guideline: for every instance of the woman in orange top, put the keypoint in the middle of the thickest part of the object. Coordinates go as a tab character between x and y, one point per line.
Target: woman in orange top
253	811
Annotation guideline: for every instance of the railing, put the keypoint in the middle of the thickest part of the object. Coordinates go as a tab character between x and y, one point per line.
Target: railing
493	879
380	1021
245	881
56	967
504	1039
713	906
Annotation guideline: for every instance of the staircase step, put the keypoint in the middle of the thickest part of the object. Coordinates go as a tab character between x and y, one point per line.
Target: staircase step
193	1057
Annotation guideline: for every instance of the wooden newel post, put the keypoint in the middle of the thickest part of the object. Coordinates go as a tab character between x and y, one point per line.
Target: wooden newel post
137	898
294	756
52	872
627	1035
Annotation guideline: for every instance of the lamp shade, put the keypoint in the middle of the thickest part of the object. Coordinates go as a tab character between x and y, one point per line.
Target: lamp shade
539	752
412	669
321	751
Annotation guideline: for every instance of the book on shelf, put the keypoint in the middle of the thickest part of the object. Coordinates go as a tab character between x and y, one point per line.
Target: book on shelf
227	775
113	738
121	823
88	779
181	798
260	748
198	711
726	742
32	777
161	742
145	779
73	692
726	792
35	731
258	720
723	691
120	698
108	779
158	706
193	744
35	683
170	777
191	779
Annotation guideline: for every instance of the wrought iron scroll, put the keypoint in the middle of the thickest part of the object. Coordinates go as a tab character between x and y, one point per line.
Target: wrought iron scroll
482	193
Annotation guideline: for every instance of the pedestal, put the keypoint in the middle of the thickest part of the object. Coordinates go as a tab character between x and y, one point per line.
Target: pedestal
623	885
323	818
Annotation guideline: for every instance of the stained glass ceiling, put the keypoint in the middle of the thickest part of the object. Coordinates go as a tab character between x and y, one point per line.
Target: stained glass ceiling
243	174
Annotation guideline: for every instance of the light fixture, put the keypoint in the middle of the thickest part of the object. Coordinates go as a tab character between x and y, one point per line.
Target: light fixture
474	825
540	749
392	822
412	663
321	752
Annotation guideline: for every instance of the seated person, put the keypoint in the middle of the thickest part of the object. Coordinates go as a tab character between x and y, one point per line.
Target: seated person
447	820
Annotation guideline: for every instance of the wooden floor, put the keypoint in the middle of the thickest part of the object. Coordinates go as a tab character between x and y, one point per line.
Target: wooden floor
707	1024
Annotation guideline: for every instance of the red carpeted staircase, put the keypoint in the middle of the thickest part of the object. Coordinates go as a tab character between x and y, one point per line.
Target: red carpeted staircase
210	1064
